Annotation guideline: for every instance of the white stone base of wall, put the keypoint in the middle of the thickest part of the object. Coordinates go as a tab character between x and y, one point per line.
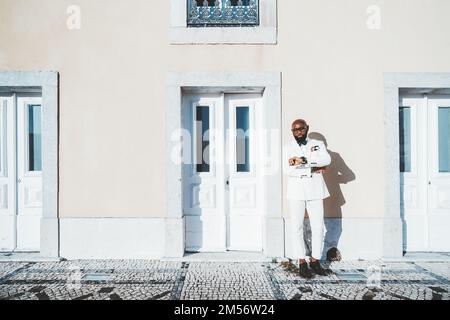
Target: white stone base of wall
355	238
145	238
112	238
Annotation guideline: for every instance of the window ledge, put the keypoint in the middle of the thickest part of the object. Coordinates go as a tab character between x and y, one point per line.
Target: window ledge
226	35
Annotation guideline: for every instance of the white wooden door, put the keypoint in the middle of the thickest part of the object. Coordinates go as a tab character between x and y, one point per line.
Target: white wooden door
425	175
439	173
203	174
29	172
7	173
413	173
21	172
244	184
220	181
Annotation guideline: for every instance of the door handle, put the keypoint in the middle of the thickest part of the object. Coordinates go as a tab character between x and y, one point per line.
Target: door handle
228	182
19	180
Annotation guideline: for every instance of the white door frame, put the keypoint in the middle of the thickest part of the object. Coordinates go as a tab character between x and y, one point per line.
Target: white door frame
267	83
47	84
217	219
393	82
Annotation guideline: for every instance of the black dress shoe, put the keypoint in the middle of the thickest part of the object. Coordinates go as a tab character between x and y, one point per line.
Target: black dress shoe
317	269
304	271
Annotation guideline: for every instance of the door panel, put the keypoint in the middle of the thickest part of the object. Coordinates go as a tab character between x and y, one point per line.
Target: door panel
439	173
244	187
29	173
413	175
203	194
7	174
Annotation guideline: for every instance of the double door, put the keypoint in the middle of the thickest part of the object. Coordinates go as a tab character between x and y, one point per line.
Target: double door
20	171
222	182
425	172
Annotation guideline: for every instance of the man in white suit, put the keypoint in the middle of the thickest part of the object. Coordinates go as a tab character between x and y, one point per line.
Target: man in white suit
304	161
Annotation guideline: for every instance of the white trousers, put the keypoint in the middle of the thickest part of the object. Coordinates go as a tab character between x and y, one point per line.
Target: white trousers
316	219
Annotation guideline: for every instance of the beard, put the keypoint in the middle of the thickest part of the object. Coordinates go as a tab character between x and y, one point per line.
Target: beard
302	139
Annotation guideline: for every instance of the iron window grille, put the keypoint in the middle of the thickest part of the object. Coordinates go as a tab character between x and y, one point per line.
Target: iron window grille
222	13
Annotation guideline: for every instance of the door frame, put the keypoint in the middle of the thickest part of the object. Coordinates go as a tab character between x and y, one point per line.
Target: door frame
393	83
47	83
267	83
222	168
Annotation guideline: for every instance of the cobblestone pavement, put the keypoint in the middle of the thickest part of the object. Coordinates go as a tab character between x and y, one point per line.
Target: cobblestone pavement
184	280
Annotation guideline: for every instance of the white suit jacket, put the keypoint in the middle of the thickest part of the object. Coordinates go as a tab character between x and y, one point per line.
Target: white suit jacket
313	188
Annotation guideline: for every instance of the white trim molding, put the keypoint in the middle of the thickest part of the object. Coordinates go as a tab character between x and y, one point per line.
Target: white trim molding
265	33
393	82
228	82
47	83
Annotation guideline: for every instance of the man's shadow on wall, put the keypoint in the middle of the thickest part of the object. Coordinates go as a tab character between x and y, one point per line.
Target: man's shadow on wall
336	173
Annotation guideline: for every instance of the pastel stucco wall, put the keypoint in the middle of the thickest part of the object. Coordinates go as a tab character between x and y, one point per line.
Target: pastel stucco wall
112	88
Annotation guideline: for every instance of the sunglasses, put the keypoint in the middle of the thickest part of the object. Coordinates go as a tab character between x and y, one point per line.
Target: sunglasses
299	129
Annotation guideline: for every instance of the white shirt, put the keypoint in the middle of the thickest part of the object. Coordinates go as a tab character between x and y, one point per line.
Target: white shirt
310	188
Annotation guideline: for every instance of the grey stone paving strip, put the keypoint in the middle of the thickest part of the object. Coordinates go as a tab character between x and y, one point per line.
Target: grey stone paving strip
42	296
115	296
275	286
441	279
106	290
105	282
16	295
369	295
38	291
16	271
396	295
4	280
84	297
37	281
436	296
274	283
384	282
327	296
159	296
179	282
53	271
268	271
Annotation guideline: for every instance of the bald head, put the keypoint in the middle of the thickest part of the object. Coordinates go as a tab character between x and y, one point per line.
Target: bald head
299	122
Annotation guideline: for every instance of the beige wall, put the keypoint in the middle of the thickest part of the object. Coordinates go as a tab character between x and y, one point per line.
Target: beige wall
113	71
